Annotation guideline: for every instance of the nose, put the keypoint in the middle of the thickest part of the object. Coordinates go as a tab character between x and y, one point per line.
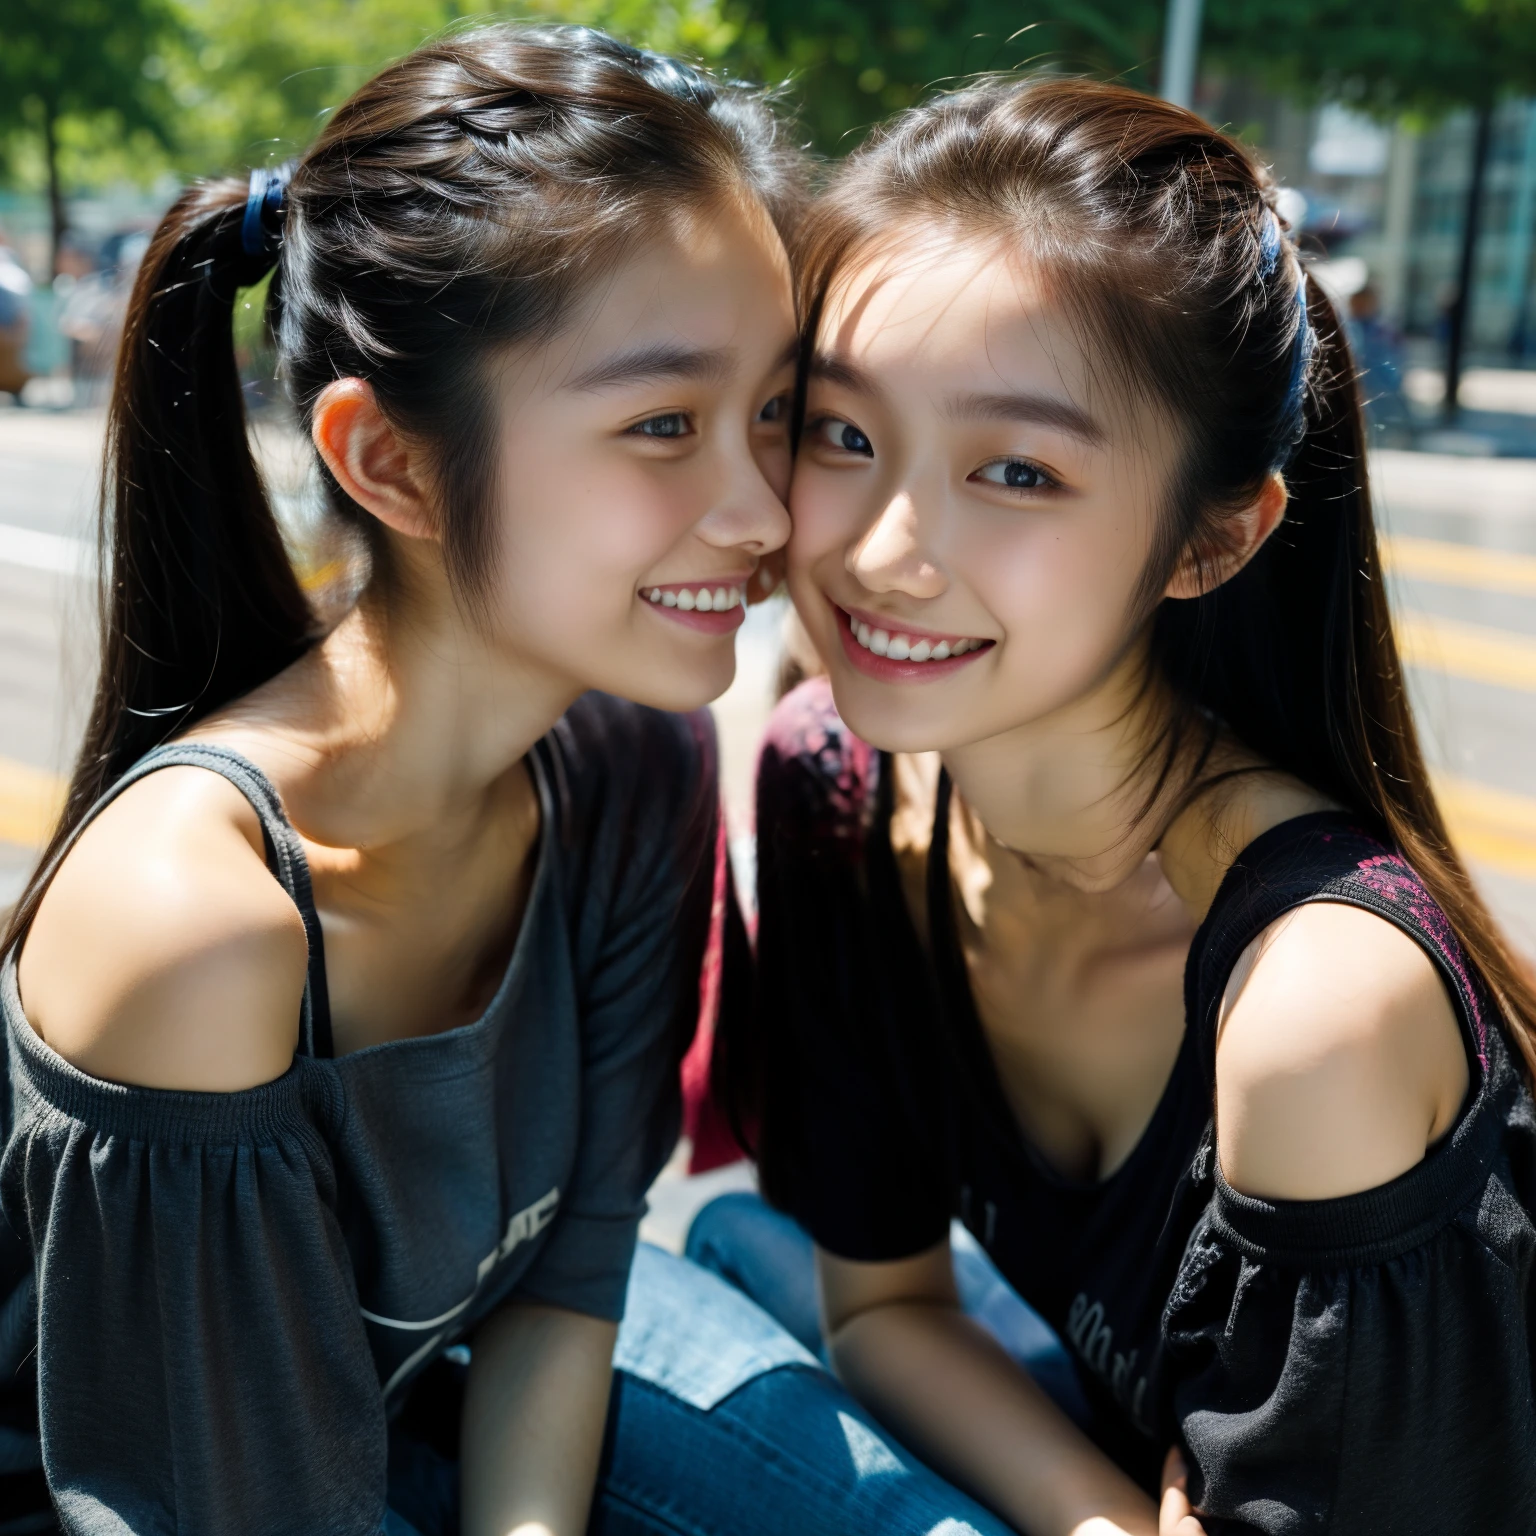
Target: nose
748	517
890	556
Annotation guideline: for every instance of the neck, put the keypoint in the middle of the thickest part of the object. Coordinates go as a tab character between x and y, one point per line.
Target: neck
401	721
1076	796
1069	793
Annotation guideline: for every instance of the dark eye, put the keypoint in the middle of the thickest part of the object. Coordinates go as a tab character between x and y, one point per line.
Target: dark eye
843	436
672	424
1015	474
776	410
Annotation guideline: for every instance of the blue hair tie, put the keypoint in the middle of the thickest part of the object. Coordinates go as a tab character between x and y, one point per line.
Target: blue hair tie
1293	414
261	231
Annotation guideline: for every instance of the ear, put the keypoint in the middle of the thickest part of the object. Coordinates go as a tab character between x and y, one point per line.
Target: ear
1243	535
369	460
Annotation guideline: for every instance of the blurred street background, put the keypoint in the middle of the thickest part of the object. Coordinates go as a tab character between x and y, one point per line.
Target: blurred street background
1402	132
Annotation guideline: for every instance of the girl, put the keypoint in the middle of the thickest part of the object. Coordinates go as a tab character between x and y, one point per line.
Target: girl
343	1015
1105	903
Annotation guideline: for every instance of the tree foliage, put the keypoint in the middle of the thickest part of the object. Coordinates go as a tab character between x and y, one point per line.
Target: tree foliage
1386	57
853	61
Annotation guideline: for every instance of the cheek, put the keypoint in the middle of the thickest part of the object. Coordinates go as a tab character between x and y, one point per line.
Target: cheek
824	516
575	546
1062	596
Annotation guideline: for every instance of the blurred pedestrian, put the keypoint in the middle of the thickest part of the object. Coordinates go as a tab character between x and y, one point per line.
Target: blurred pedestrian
1378	353
15	291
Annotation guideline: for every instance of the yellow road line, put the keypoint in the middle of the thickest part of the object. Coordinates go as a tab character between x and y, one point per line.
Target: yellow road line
1472	651
1460	565
1491	827
30	802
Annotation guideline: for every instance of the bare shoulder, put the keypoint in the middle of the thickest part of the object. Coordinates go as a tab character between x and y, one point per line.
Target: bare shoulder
164	954
1339	1059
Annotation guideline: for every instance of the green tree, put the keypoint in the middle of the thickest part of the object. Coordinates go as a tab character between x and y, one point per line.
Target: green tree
80	64
852	61
253	79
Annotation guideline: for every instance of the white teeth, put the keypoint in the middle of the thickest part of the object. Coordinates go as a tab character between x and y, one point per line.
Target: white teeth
900	647
721	600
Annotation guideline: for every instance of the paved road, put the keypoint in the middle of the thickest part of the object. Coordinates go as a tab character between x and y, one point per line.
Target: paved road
1462	540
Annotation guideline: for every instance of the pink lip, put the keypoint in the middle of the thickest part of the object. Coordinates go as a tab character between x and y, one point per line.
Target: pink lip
882	668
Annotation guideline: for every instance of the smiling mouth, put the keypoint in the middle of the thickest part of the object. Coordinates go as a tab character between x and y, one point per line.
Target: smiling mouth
890	641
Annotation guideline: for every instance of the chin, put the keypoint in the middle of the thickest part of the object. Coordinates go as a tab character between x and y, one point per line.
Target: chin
678	690
892	725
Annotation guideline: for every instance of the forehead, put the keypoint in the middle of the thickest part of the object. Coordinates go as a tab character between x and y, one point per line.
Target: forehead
953	302
714	279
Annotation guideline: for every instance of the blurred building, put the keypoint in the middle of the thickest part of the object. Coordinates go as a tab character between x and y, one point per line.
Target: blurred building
1396	199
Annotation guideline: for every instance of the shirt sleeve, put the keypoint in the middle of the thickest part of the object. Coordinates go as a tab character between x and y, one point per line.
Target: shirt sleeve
647	890
203	1362
844	1007
1361	1364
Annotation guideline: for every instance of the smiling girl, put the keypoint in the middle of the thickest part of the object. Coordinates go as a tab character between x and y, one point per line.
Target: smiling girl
343	1016
1105	903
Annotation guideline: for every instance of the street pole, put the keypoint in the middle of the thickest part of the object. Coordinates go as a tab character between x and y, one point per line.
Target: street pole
1181	52
1461	305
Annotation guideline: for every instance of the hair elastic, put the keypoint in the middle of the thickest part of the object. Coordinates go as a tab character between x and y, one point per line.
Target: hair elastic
261	231
1293	413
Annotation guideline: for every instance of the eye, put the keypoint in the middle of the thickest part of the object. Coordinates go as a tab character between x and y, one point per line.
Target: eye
775	411
1015	475
843	436
668	424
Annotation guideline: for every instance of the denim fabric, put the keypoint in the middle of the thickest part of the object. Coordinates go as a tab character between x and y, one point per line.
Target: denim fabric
686	1333
770	1257
780	1448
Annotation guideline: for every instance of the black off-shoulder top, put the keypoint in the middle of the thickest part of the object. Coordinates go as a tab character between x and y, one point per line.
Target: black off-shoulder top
1359	1365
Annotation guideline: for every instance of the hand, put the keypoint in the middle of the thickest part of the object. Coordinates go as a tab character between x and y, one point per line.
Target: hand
1176	1516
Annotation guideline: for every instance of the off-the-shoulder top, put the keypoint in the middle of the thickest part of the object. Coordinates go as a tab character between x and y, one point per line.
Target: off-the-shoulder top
211	1304
1359	1365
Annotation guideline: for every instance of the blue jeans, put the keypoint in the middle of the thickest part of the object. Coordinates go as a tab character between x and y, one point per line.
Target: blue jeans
724	1420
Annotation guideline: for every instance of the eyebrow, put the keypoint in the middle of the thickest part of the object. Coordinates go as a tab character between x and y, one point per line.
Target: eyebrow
838	370
664	360
1042	410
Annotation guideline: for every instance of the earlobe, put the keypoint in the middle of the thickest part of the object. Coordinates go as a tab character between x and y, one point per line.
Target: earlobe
368	459
1243	533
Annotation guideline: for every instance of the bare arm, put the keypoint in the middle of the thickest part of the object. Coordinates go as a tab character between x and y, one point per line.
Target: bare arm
901	1345
534	1414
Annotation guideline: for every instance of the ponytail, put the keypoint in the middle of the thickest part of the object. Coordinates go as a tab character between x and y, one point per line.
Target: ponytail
199	603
